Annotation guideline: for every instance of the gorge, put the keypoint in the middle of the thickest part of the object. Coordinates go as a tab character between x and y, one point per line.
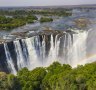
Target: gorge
68	40
40	50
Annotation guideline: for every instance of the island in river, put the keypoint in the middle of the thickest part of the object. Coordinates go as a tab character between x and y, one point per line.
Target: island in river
12	19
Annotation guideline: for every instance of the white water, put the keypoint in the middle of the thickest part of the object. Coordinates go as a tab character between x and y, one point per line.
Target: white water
9	60
25	53
20	59
77	51
33	57
43	48
54	50
62	48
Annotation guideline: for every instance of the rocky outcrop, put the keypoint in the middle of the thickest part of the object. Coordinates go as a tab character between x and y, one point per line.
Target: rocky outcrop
23	35
20	34
82	22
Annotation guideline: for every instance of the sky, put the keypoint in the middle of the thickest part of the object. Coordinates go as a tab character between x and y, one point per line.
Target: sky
44	2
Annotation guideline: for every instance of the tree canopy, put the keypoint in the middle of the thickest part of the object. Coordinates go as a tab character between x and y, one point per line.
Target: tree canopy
54	77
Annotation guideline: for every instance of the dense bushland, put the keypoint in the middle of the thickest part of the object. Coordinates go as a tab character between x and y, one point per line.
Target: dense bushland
59	11
8	23
45	19
54	77
10	19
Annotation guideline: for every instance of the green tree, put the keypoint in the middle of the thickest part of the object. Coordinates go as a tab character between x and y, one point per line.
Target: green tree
45	19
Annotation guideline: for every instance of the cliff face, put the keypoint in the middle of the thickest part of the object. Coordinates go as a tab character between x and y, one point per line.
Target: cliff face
43	48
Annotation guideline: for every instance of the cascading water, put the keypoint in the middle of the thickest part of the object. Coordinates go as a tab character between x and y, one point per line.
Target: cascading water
77	51
9	60
20	59
25	52
43	50
54	50
32	53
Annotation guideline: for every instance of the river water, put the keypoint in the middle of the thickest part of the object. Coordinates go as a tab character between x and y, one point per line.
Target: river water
59	23
69	44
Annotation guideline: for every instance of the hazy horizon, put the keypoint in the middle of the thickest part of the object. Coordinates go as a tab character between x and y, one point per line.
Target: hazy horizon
44	2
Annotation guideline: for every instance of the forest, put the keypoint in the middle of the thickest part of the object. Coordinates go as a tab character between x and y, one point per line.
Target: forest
8	23
16	18
44	19
54	77
59	12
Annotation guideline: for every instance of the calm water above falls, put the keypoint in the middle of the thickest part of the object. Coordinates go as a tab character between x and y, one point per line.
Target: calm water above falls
59	23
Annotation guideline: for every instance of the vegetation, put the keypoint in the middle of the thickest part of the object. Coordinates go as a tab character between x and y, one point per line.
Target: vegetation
10	19
45	19
31	18
59	11
7	23
54	77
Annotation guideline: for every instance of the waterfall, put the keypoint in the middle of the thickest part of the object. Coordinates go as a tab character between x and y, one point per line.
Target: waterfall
20	59
9	60
43	47
43	50
54	50
77	51
57	43
25	52
33	56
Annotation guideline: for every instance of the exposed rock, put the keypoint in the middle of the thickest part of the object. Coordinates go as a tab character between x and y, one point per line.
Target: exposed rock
82	22
21	34
4	41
